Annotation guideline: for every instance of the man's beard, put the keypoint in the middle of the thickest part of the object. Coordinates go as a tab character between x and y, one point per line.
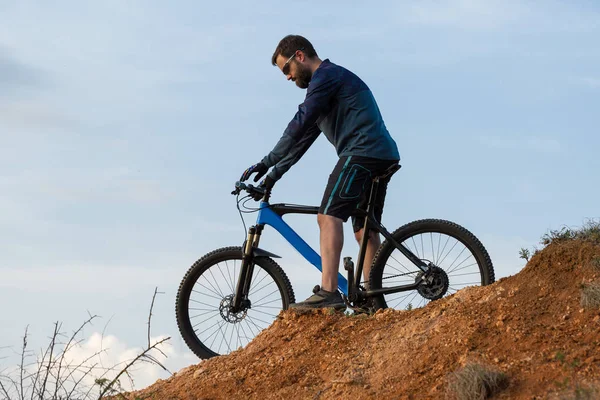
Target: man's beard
303	77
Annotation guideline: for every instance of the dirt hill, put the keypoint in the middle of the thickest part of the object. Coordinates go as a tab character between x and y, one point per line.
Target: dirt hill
532	327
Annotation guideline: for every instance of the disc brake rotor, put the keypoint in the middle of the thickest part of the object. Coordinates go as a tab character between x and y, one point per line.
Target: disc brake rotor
227	315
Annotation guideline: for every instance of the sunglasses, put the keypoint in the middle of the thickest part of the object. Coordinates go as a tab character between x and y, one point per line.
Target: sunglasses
286	67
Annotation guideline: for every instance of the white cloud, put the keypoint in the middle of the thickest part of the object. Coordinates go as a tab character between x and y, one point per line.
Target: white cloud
103	357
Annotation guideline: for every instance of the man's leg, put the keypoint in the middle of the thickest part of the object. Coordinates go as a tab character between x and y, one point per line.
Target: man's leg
331	240
372	246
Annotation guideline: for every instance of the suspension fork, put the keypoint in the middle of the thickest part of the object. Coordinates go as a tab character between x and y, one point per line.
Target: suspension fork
240	298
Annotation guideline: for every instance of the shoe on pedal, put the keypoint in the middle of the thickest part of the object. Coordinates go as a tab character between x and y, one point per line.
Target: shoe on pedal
321	299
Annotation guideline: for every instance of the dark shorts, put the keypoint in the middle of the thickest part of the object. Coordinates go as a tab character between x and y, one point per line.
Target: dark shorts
349	185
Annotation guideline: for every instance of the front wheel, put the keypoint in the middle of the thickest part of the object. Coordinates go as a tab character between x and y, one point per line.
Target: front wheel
457	257
204	318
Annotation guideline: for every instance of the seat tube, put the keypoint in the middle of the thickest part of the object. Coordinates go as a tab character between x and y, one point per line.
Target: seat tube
366	230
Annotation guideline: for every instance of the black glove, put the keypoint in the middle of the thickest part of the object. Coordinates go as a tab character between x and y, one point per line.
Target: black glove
266	184
260	170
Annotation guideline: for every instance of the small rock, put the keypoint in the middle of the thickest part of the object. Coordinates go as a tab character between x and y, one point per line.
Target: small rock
198	372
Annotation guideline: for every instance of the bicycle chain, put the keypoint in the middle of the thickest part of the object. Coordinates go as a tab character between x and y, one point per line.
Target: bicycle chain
390	277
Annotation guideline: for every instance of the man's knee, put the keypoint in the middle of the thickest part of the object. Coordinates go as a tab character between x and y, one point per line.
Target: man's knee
373	235
328	221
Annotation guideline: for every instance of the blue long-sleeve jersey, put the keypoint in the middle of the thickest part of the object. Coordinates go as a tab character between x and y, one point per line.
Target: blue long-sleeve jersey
339	104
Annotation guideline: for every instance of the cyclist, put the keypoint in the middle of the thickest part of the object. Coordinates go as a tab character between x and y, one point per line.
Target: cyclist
339	104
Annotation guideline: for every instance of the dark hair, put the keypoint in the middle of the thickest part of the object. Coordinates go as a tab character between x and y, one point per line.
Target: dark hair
289	44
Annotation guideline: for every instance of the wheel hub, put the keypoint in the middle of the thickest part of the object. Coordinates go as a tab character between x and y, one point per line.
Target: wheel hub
437	286
227	314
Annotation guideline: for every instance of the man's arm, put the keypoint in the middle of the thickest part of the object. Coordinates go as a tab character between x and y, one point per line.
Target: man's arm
297	151
302	130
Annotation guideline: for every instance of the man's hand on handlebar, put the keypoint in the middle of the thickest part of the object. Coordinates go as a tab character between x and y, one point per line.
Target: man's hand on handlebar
256	192
259	168
265	186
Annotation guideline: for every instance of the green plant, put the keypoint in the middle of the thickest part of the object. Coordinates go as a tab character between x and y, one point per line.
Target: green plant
560	356
409	307
524	253
476	382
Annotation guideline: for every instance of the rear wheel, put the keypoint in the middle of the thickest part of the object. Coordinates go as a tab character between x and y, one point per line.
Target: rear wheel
205	321
457	257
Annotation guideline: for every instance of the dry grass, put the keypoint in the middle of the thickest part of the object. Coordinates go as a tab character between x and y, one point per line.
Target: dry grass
475	382
595	263
590	295
590	231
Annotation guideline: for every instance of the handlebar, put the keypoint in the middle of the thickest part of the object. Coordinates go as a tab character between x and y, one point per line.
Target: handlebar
250	189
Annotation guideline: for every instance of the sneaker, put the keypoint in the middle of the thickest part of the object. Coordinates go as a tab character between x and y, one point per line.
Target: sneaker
322	299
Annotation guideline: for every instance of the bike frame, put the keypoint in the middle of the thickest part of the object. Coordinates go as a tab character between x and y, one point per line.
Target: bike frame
271	215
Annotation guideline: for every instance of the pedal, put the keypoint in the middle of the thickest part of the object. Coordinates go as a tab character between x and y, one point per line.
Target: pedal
357	310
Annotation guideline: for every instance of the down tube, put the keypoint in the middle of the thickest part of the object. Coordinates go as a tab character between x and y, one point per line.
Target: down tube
269	217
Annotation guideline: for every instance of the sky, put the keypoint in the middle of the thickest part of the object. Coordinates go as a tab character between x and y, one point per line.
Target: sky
125	124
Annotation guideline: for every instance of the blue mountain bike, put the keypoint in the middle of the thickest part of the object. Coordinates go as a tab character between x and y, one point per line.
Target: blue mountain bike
231	294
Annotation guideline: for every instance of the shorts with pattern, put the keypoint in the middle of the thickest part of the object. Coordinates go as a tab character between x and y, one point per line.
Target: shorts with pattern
349	186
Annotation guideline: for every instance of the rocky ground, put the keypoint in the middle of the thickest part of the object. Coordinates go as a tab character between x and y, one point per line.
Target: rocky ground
532	327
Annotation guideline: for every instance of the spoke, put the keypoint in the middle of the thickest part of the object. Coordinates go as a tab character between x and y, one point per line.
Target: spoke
207	288
443	249
204	304
416	247
456	268
258	290
244	332
268	302
205	320
262	312
254	323
250	329
274	291
258	283
410	301
396	269
225	279
459	254
199	315
466	266
216	330
200	333
469	283
258	319
438	249
231	338
432	251
207	295
201	309
449	251
422	248
216	282
401	297
470	273
228	275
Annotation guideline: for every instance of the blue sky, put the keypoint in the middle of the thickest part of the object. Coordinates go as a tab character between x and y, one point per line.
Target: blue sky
124	126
